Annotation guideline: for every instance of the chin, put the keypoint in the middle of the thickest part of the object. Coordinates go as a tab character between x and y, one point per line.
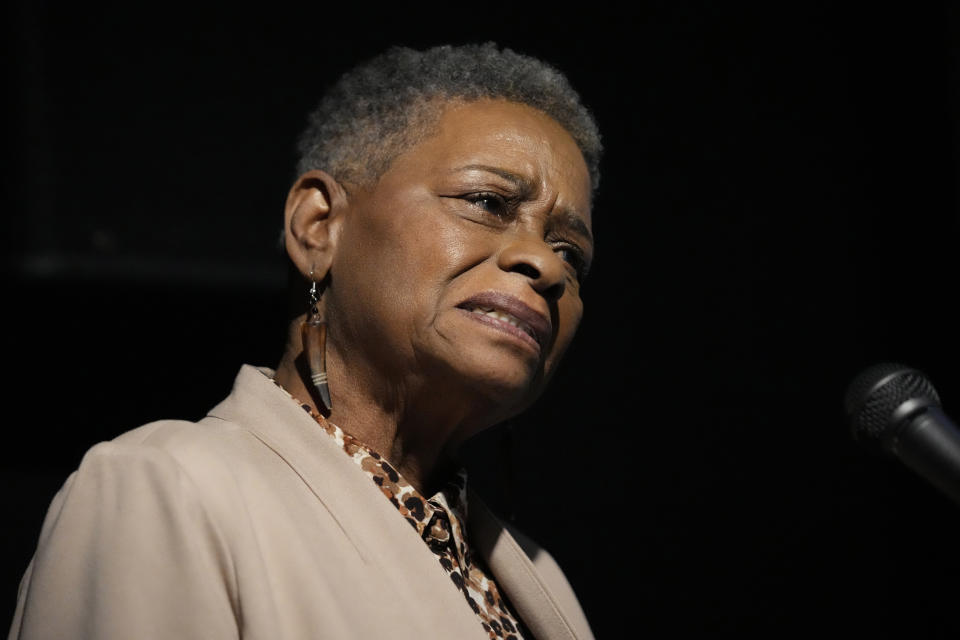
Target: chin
499	383
508	390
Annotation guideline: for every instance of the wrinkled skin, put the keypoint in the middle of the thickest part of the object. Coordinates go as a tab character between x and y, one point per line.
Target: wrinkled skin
489	212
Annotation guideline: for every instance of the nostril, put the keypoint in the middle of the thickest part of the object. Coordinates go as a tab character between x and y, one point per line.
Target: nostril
528	270
545	282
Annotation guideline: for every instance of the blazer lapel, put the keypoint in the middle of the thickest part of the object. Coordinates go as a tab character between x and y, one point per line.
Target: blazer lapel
367	518
537	587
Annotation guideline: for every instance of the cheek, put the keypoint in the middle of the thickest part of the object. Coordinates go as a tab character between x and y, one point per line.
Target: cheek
569	316
439	251
407	257
373	280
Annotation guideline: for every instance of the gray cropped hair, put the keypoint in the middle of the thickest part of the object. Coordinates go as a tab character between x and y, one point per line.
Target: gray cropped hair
382	107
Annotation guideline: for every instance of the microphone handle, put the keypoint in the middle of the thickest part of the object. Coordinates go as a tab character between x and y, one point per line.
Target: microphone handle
929	443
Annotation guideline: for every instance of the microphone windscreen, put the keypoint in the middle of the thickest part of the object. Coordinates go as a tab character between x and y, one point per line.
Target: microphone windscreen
874	395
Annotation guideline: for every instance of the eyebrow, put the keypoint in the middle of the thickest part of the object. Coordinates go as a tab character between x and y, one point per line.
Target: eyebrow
518	181
565	217
569	219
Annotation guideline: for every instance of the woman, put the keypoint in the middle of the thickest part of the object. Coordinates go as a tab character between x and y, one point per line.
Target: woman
438	235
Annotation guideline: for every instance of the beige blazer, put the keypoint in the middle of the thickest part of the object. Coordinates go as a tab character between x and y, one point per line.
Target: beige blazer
252	523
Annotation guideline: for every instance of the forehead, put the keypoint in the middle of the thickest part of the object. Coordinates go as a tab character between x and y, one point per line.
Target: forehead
509	136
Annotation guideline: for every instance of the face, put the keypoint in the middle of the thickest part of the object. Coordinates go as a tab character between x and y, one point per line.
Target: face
461	267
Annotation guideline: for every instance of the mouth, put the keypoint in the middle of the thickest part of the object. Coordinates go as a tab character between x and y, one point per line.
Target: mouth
511	315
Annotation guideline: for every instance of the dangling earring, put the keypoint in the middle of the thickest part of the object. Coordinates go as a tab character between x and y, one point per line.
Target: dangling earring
313	334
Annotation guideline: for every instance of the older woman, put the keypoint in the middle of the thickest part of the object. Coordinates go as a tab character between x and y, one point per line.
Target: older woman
438	236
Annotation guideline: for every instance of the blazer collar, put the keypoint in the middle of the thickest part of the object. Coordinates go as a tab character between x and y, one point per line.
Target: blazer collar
371	523
529	576
366	518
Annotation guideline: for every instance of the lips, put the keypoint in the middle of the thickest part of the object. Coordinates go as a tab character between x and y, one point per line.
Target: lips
509	311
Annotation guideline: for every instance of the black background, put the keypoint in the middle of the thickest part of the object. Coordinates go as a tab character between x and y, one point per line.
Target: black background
778	210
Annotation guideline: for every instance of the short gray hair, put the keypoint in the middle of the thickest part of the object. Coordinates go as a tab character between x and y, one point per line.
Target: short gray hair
382	107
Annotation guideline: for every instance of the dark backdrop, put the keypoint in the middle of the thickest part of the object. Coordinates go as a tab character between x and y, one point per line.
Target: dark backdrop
778	210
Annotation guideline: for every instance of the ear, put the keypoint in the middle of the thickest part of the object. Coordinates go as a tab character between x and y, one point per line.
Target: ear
311	222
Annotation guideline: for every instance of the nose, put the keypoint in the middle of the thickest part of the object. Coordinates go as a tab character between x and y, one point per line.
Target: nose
535	259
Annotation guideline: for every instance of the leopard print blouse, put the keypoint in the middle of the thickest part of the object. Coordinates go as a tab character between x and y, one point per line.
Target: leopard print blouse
438	521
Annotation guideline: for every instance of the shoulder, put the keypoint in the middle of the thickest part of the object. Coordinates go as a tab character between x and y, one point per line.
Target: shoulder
165	489
153	479
162	463
206	464
191	445
170	448
127	524
178	437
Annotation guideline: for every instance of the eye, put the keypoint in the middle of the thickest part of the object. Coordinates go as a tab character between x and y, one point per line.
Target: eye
490	202
574	256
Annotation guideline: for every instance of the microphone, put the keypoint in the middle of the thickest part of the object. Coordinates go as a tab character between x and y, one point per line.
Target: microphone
895	408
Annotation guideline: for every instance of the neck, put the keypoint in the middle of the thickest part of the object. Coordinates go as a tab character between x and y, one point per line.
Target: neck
415	427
